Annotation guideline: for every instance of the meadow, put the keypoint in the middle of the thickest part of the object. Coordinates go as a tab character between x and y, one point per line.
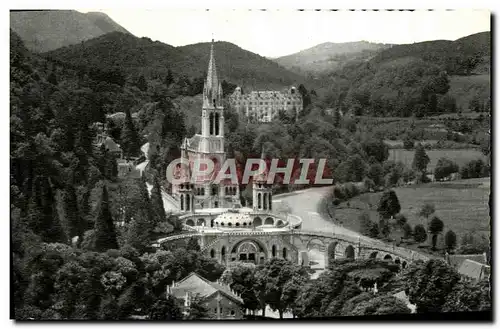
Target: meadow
462	205
459	156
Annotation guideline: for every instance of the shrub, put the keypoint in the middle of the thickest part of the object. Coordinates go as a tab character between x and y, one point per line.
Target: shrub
419	234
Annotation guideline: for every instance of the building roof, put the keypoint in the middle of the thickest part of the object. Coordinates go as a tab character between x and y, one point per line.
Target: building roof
404	298
196	284
473	269
456	261
109	144
234	219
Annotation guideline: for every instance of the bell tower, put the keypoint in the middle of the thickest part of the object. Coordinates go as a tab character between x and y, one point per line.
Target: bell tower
212	117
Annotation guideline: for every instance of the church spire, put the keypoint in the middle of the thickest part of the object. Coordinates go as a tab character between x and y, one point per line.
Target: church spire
212	84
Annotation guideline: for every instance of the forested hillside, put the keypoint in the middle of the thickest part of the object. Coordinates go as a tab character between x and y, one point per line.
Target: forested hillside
419	79
44	30
329	56
143	56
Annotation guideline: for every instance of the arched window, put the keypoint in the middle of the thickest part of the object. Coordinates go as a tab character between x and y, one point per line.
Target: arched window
188	203
274	251
284	253
212	253
259	205
270	202
217	131
257	221
265	201
182	201
211	123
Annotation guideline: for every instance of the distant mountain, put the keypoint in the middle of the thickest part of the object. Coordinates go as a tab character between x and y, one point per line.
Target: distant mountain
456	57
46	30
329	56
144	56
429	77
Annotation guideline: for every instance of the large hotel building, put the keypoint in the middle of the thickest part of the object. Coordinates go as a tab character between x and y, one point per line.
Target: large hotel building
264	106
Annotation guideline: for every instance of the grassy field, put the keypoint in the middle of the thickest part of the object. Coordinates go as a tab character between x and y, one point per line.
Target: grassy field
462	205
459	156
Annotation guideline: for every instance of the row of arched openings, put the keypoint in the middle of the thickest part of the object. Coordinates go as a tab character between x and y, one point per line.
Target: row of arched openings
214	123
274	252
230	190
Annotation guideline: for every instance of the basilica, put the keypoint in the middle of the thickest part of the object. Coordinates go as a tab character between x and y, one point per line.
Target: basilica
205	192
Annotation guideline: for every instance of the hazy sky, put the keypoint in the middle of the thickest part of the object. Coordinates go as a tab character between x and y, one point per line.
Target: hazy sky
275	33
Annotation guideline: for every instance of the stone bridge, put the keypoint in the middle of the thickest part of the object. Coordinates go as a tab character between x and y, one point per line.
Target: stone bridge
294	245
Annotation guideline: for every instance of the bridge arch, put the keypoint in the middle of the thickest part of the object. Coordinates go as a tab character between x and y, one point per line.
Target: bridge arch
373	255
249	246
349	252
388	257
257	221
403	265
269	221
190	222
201	222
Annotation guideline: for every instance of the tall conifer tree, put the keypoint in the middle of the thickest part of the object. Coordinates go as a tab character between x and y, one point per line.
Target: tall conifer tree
129	137
105	235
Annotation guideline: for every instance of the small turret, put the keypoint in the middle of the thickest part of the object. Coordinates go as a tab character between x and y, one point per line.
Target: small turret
262	191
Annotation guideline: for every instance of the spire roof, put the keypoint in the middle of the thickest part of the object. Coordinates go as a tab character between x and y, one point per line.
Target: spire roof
212	83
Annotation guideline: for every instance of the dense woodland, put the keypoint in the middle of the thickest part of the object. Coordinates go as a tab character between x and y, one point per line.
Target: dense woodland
71	261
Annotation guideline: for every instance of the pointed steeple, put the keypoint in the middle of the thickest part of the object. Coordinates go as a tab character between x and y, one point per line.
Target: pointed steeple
212	80
212	91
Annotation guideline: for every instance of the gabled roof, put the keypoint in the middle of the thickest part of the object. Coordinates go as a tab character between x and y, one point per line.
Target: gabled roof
473	269
456	261
196	284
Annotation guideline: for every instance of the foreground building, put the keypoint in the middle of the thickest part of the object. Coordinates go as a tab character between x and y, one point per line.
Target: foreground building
264	106
220	300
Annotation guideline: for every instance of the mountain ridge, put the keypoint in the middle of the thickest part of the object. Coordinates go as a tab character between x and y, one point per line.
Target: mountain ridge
45	30
144	56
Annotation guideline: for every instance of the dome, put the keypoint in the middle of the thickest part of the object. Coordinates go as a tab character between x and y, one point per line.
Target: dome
233	219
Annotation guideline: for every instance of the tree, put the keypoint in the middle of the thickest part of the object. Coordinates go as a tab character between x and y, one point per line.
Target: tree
43	217
377	148
420	159
73	221
380	305
241	278
197	309
428	284
165	308
130	138
419	233
469	297
407	231
193	244
278	281
444	168
427	210
450	240
408	142
141	83
436	226
384	227
336	118
104	230
376	173
388	204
